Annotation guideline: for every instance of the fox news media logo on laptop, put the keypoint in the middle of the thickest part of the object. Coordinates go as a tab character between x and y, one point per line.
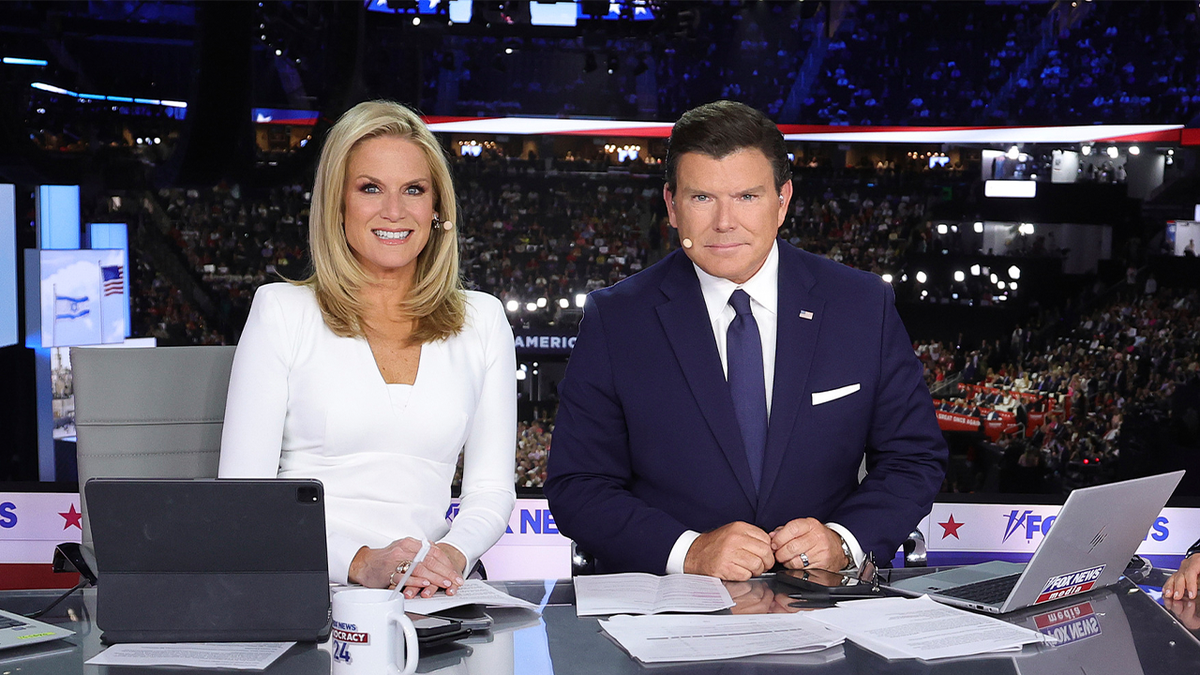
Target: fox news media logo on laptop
1071	624
344	635
1065	585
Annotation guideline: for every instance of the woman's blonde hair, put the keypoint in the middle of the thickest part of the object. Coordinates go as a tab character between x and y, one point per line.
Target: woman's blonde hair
436	300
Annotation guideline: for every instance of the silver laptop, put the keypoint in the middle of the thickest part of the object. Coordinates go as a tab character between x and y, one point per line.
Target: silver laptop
1096	534
18	631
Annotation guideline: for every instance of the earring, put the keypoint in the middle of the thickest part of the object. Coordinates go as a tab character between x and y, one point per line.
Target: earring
687	243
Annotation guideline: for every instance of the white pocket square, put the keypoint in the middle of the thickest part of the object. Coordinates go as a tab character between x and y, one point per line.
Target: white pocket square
820	397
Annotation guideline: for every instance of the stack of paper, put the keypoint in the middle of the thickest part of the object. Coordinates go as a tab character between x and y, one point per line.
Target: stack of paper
656	639
638	593
232	655
919	628
473	592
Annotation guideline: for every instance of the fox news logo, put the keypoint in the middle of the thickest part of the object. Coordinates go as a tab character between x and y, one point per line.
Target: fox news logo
1028	524
1072	624
349	632
344	635
1064	585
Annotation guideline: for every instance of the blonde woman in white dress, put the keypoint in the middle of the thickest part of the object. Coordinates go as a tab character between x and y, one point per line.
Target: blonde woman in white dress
372	374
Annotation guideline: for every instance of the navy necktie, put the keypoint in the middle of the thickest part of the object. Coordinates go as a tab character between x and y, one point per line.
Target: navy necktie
747	385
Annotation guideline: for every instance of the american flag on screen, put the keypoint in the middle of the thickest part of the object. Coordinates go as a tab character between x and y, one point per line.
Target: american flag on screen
114	279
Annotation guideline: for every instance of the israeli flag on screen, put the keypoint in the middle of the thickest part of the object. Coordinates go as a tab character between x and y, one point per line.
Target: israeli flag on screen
83	297
70	308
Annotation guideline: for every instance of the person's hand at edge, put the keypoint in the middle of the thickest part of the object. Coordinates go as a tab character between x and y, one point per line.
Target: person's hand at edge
1182	584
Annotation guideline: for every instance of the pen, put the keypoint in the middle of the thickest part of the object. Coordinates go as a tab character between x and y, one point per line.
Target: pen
865	595
416	561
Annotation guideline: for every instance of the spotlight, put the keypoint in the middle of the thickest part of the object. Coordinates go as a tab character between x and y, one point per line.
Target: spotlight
1135	150
520	376
974	270
887	278
979	227
278	52
541	302
1000	284
508	50
1025	228
564	303
959	276
993	278
580	300
1112	151
531	307
942	229
512	306
1014	272
1013	152
1085	150
922	277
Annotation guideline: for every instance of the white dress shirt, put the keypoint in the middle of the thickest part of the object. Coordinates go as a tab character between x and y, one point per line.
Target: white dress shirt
763	289
305	403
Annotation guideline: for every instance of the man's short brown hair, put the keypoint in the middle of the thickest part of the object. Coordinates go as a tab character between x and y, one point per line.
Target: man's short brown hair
721	128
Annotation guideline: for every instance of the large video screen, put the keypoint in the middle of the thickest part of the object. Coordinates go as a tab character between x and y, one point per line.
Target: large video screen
83	297
8	266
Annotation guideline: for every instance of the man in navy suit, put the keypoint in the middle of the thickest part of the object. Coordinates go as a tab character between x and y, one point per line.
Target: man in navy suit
718	405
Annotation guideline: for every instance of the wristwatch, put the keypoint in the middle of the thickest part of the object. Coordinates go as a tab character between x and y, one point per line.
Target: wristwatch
850	564
1193	550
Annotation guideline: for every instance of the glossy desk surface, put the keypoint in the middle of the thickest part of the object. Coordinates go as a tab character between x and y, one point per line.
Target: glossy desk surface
1121	631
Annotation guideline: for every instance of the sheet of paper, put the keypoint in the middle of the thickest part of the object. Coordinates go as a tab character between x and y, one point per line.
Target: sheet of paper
920	628
639	593
235	655
657	639
474	592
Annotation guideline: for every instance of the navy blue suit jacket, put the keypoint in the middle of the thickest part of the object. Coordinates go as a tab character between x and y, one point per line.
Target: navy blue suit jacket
646	444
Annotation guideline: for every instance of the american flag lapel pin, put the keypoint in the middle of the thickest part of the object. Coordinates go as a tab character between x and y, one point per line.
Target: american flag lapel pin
807	315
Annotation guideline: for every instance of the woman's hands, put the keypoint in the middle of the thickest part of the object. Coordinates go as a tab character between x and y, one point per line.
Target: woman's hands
442	568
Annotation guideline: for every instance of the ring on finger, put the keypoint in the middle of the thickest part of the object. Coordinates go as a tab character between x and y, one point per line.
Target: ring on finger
401	569
804	559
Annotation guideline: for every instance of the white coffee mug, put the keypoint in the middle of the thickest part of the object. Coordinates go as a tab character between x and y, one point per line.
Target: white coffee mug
370	631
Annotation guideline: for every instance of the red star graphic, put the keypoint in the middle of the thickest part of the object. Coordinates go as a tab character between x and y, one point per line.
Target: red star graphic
950	527
72	517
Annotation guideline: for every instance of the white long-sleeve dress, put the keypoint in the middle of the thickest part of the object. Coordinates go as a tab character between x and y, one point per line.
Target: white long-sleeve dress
305	403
